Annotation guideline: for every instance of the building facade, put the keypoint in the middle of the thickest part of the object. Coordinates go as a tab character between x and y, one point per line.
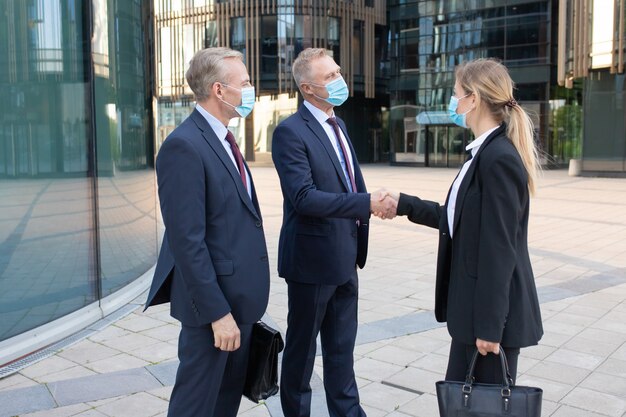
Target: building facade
592	52
78	218
429	38
270	34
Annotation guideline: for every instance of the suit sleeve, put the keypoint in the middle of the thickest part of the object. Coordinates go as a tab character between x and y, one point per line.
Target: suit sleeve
292	164
427	213
504	190
181	180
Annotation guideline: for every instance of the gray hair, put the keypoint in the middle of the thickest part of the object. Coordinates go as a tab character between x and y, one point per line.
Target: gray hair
301	67
206	68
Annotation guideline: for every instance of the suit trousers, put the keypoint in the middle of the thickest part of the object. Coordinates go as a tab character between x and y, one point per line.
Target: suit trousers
209	381
488	368
331	311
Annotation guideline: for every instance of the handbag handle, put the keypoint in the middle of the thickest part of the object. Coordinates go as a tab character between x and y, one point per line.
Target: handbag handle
507	381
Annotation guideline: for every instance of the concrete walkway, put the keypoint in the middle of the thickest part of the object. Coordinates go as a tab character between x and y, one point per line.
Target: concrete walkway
578	247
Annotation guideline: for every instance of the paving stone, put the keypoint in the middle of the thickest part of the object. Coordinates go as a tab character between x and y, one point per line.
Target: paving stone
136	405
164	372
98	387
375	370
70	410
75	371
16	381
415	379
384	397
423	406
119	362
595	401
25	400
558	372
395	355
567	411
47	366
573	358
609	384
87	352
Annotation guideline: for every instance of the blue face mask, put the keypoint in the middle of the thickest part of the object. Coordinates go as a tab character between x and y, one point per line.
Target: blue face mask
457	119
337	92
247	100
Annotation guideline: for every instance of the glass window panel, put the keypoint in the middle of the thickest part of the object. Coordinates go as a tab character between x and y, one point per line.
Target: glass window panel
126	186
47	266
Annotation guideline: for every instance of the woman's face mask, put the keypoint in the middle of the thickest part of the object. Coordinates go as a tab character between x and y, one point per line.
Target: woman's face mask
247	100
337	91
457	119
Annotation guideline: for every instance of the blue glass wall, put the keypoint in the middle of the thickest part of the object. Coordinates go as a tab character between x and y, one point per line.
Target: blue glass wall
77	193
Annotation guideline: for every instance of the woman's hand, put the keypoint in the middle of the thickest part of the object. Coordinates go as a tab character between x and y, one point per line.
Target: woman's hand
485	347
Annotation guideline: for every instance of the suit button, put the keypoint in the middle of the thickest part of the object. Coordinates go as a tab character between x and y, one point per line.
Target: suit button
259	224
353	234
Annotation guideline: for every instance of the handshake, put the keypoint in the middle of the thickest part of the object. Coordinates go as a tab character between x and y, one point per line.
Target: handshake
384	204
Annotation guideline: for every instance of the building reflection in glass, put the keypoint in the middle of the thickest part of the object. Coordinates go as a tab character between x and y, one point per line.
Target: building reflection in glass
77	198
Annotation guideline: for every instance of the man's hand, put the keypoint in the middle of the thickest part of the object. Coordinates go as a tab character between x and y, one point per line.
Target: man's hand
485	347
226	333
383	204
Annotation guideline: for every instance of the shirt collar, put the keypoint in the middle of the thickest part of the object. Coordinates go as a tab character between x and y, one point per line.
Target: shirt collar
476	143
217	126
319	115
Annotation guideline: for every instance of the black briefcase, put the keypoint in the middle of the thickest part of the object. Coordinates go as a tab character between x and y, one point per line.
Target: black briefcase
262	377
470	399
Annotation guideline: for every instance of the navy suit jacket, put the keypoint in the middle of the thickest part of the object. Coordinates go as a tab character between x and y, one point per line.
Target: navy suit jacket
214	258
320	240
485	285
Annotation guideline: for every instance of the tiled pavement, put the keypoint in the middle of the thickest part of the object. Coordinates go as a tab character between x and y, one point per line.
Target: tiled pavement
578	248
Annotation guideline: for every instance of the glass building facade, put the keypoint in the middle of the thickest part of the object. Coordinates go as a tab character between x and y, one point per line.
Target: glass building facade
271	34
592	53
429	38
78	218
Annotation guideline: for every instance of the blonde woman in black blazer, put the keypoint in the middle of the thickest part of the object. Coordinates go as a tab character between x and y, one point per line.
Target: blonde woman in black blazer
485	288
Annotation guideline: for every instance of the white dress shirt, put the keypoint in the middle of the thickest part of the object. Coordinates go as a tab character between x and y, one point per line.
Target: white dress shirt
472	147
322	118
220	131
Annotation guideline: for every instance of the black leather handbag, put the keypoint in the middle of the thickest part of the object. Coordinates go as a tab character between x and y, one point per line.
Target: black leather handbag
470	399
262	376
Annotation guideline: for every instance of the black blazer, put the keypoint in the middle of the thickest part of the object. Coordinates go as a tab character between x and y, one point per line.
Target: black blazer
485	286
320	241
213	259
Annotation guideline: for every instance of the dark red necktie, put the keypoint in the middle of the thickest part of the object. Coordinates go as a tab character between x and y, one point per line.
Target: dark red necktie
237	154
333	122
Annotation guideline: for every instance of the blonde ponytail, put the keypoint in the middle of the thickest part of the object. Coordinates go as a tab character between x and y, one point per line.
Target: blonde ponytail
520	130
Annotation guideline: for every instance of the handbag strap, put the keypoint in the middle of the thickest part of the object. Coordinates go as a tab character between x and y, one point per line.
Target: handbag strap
507	381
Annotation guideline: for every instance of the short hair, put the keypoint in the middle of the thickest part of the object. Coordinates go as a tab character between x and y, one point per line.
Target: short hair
206	68
301	67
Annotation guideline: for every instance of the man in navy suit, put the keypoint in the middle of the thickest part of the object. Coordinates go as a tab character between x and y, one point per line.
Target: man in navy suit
323	239
213	266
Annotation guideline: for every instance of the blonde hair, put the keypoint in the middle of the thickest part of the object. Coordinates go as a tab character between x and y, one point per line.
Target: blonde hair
491	82
301	67
206	68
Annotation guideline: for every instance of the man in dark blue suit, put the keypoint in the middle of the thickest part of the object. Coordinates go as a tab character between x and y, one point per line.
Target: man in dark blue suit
213	266
323	239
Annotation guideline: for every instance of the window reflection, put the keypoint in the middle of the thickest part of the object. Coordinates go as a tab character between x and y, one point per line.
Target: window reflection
50	126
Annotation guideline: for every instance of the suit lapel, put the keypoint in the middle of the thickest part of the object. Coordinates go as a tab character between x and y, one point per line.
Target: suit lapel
467	179
319	132
211	138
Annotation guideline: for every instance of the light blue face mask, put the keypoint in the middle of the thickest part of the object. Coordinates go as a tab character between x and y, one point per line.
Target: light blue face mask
247	100
337	92
457	119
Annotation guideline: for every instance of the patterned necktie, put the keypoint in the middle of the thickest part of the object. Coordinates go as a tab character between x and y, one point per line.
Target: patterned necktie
333	122
237	154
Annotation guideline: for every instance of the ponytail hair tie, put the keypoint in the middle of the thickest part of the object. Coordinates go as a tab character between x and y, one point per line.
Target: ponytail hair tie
511	103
